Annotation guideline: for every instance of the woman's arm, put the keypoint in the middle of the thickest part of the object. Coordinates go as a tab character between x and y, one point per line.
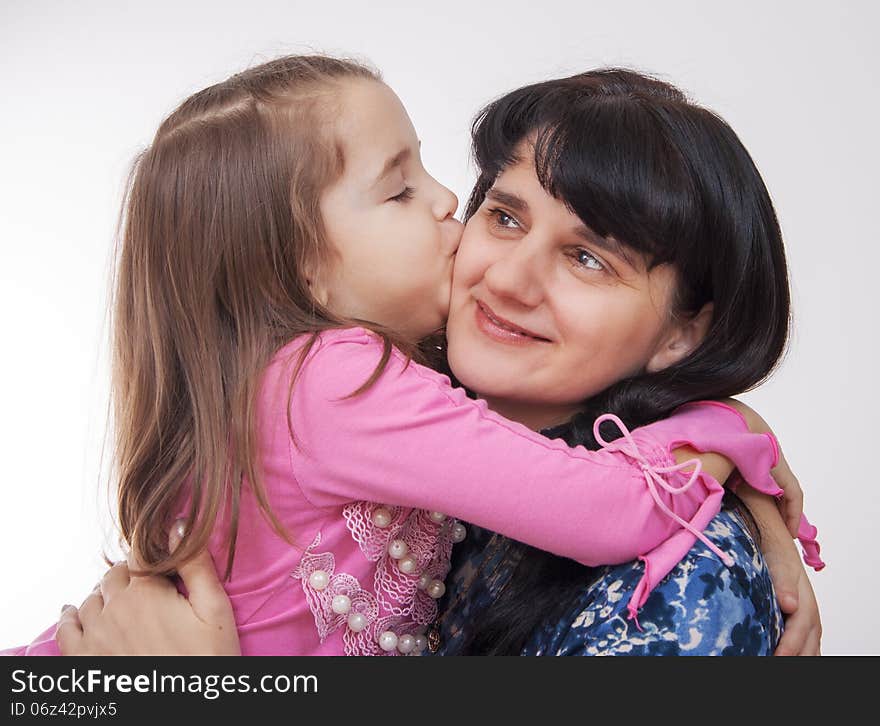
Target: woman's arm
803	625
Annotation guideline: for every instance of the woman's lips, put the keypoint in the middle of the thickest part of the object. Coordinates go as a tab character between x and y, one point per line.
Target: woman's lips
502	330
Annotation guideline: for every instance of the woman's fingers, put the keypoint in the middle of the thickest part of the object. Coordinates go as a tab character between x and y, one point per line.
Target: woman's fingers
792	506
803	627
69	633
794	639
91	607
799	638
206	594
204	591
114	581
792	509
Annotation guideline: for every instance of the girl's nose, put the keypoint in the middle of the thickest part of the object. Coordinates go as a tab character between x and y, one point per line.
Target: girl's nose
445	203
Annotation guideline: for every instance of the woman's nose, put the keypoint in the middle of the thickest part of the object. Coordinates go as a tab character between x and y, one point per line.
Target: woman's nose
516	275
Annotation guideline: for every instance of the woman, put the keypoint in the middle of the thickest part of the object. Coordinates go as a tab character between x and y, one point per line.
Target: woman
607	206
633	160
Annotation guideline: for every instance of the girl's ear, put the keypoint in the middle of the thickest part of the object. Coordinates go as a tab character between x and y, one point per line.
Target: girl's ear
316	280
319	290
681	339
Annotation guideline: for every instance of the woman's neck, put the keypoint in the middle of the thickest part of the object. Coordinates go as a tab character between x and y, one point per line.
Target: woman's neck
535	417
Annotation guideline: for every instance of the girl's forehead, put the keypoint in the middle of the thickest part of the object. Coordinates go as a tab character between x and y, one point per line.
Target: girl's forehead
373	129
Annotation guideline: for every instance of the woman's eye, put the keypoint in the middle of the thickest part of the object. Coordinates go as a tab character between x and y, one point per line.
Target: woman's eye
404	196
503	219
587	260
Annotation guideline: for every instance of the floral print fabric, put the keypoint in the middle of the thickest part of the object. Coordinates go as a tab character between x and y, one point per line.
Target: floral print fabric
701	608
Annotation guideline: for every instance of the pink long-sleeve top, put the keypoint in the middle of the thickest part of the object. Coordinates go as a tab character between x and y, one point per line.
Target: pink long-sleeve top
368	487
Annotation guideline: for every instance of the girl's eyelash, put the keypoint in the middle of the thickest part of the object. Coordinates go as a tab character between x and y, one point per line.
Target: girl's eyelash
404	196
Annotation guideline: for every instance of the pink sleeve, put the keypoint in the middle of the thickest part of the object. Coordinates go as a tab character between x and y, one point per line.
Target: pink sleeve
755	470
43	644
412	440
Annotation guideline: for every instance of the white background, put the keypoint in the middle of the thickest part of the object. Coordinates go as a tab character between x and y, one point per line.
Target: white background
84	85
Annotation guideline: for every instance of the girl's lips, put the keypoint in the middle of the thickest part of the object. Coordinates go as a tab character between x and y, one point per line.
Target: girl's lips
501	330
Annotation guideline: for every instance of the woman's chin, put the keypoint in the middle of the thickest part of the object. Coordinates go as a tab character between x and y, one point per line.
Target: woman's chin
486	380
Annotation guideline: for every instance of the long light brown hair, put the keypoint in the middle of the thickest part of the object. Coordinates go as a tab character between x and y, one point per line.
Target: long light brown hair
221	226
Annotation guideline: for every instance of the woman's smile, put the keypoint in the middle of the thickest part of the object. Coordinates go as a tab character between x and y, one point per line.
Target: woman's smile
501	329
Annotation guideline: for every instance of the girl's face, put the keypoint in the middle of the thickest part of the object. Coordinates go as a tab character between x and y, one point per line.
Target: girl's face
389	223
544	313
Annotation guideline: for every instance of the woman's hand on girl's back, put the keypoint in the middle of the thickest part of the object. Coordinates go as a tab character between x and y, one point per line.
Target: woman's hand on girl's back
126	615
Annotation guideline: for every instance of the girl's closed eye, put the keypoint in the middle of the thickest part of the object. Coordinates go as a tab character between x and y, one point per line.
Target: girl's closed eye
404	196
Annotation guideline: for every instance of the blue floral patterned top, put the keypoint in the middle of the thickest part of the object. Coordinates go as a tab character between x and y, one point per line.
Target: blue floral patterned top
701	608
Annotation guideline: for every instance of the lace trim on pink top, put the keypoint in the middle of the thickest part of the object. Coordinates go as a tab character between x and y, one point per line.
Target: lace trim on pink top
428	545
400	602
320	585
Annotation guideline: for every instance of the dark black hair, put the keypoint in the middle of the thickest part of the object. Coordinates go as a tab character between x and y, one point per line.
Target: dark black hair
638	162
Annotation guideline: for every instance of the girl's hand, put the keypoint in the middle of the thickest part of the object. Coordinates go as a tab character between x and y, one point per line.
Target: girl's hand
791	506
127	615
803	626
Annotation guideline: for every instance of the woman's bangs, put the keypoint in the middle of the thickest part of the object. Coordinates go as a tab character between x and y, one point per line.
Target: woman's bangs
603	160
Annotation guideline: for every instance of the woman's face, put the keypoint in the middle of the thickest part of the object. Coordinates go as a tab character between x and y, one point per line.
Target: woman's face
544	313
389	223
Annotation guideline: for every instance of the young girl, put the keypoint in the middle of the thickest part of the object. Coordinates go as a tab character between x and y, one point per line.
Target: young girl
272	213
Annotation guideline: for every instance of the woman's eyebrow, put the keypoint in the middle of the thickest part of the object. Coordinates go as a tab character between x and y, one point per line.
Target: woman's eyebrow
516	203
392	163
608	244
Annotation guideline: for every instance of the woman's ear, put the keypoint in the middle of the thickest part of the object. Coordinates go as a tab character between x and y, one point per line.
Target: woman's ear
682	338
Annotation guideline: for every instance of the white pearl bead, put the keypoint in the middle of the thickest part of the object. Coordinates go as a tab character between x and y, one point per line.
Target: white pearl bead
407	565
436	589
357	622
406	643
381	517
458	532
388	641
340	604
319	579
437	517
397	548
423	582
421	642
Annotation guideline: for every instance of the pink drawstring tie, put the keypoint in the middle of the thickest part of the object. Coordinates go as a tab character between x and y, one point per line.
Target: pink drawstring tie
653	478
652	474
